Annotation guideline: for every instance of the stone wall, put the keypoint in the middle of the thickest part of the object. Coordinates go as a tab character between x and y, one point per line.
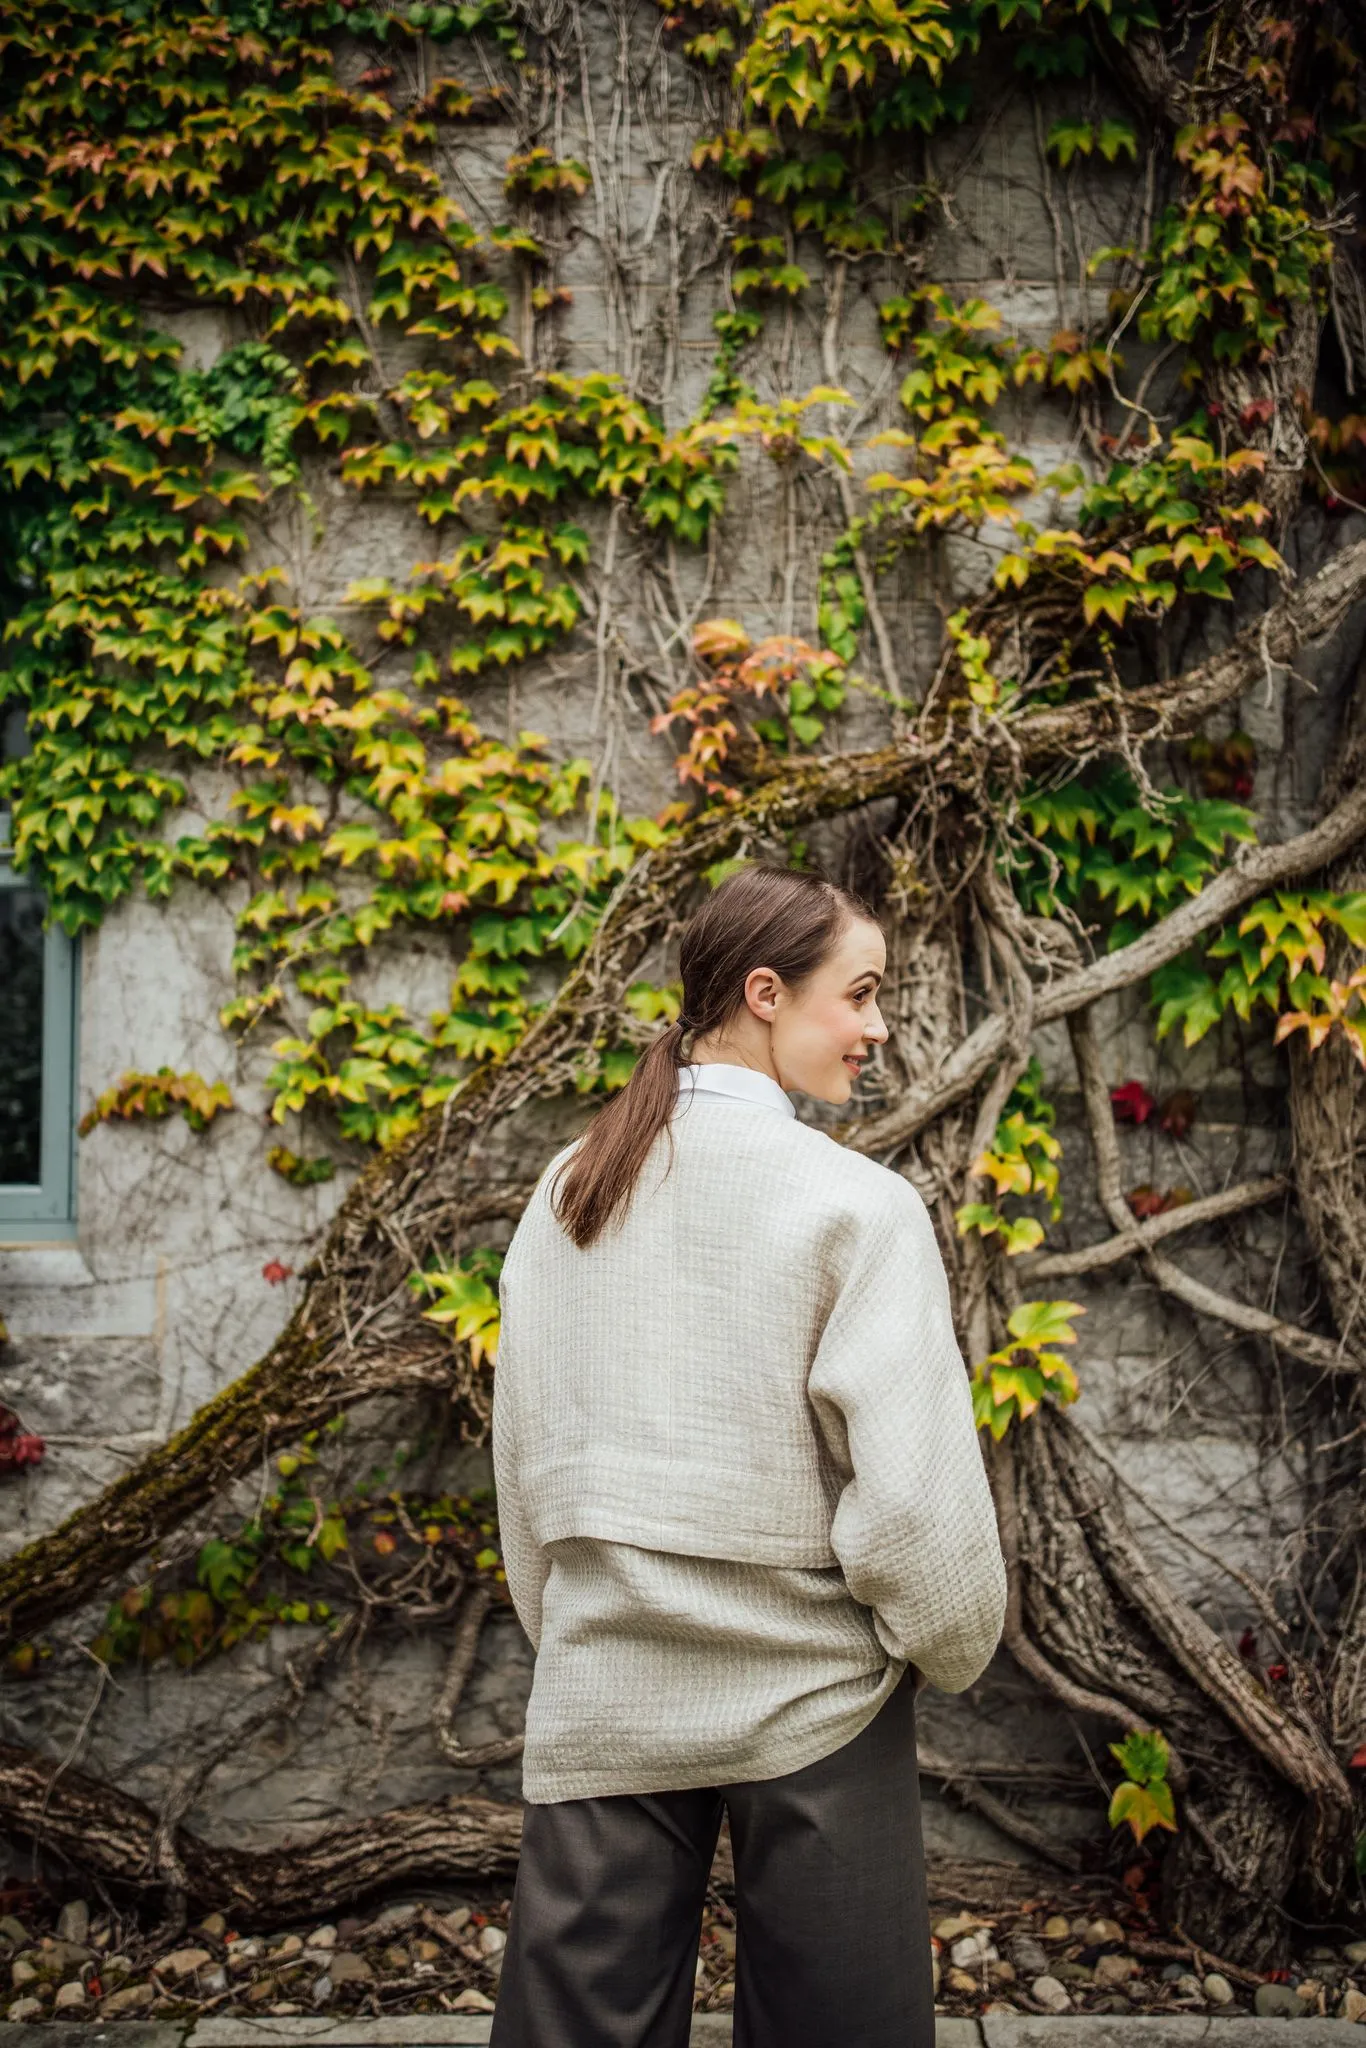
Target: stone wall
118	1337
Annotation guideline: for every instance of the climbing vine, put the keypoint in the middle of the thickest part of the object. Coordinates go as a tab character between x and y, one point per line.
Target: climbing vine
346	767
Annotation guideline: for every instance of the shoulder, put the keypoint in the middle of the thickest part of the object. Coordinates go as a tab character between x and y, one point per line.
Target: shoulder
844	1186
538	1213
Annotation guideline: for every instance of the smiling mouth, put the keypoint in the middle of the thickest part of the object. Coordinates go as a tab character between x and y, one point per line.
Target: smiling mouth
855	1061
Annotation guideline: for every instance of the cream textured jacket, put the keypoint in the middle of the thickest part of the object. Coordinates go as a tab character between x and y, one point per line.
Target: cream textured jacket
738	1481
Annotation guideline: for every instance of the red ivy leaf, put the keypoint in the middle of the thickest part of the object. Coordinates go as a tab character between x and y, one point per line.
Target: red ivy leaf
274	1272
1145	1201
1277	1671
1132	1104
1177	1113
1357	1760
1247	1644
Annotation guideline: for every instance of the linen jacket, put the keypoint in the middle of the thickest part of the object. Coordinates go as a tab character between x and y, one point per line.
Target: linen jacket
756	1363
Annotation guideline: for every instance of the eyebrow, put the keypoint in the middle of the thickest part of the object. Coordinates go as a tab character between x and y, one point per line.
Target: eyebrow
877	977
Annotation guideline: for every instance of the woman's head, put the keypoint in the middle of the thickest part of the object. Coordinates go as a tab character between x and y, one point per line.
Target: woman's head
780	971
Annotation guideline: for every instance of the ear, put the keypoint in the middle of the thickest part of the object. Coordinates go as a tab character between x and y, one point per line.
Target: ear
761	993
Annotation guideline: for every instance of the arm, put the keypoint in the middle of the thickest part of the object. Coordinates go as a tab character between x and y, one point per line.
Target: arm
523	1559
914	1528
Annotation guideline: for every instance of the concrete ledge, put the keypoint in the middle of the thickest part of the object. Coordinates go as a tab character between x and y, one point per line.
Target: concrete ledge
709	2030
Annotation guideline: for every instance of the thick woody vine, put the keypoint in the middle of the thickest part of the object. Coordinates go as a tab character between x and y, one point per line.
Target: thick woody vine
286	168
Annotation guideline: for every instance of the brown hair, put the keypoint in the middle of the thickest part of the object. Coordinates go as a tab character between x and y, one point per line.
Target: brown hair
761	916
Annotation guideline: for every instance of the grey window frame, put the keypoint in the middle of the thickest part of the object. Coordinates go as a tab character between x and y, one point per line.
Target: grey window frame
46	1209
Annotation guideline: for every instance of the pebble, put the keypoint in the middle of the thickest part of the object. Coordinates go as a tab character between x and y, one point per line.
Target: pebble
21	1973
963	1980
261	1992
973	1949
1027	1955
1355	1951
1050	1994
949	1930
1186	1986
1353	2005
471	2000
69	1995
393	1918
395	1958
25	2009
1001	1973
346	1968
284	2009
289	1945
213	1980
323	1937
492	1940
1217	1988
450	1926
1102	1930
214	1925
427	1951
243	1952
68	1957
1113	1971
73	1922
132	1998
322	1990
183	1962
1055	1928
1309	1991
13	1931
1276	2002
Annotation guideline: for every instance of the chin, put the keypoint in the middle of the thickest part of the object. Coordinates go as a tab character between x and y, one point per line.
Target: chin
840	1089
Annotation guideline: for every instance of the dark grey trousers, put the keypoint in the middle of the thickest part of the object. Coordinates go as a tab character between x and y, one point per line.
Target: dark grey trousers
832	1920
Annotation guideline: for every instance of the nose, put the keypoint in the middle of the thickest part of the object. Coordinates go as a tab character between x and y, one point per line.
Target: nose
875	1029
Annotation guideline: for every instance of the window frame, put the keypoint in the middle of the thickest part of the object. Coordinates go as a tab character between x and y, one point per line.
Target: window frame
46	1208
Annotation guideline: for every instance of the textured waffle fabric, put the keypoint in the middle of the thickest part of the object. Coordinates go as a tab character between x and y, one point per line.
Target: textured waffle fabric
739	1486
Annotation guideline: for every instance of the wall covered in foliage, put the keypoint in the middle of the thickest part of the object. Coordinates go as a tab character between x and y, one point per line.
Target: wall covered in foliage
468	474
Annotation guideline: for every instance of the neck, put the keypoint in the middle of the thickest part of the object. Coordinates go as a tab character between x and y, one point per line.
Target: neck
713	1053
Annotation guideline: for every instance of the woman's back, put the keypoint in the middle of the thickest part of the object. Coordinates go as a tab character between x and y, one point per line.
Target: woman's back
681	1409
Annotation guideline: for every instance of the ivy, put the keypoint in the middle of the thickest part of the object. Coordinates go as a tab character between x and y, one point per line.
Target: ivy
1114	856
1010	1383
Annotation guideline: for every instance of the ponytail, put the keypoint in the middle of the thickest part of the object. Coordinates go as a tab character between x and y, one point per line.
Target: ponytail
602	1174
761	916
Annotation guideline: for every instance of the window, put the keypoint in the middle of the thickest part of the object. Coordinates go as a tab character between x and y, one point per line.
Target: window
37	1052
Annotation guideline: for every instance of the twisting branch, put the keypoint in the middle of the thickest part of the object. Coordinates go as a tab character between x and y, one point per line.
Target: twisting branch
107	1833
359	1330
1092	1258
1253	869
1207	1301
464	1649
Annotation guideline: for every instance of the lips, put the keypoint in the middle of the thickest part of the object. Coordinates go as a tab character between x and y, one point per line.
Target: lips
854	1062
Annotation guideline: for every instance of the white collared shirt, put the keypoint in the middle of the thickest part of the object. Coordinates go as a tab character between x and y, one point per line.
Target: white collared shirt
742	1084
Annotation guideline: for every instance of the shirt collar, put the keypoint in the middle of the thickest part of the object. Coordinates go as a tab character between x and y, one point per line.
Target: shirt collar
741	1084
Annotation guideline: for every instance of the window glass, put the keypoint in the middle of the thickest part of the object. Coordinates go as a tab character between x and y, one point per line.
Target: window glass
37	1046
21	1036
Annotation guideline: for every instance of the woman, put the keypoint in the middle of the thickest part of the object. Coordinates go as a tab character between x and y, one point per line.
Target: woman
741	1496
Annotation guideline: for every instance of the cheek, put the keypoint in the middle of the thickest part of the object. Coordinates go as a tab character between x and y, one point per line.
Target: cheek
832	1020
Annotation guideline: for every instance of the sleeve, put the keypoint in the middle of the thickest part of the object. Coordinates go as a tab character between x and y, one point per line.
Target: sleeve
524	1560
914	1527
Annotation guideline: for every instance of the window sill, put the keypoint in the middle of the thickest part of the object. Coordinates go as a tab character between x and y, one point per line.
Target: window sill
28	1260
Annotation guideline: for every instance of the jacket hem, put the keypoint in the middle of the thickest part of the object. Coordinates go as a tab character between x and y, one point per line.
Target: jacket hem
745	1763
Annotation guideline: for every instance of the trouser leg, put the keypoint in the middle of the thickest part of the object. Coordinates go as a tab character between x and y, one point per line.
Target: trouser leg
606	1917
832	1918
